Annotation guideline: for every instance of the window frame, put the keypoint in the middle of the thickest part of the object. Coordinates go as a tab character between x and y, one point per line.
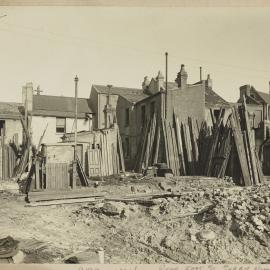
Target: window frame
127	117
61	126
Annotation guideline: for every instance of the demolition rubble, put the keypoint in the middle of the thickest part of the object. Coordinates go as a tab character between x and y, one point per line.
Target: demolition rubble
176	190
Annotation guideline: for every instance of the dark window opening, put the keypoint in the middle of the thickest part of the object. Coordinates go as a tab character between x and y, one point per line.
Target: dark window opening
127	117
2	127
216	114
60	125
143	114
152	108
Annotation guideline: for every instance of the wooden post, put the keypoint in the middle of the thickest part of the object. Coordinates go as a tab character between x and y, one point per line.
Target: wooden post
74	164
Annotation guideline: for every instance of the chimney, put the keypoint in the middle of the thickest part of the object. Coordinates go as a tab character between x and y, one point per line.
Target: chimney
209	83
244	90
160	81
145	83
27	96
182	76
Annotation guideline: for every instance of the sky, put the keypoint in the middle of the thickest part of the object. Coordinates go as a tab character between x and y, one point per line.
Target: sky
49	46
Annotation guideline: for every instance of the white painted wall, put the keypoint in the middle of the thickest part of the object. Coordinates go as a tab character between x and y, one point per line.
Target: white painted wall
12	127
39	123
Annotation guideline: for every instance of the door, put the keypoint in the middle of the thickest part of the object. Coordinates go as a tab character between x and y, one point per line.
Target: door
94	162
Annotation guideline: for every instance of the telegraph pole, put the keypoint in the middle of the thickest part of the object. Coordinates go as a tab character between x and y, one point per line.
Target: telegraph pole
74	178
166	83
76	114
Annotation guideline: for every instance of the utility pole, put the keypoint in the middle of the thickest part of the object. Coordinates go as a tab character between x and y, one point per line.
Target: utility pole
76	114
166	84
75	136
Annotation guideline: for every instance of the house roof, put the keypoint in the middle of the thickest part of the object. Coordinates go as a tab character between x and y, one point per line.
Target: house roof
213	99
130	94
264	96
9	110
59	106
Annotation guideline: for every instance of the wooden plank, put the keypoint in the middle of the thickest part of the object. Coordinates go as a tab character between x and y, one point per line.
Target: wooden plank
165	142
44	196
37	175
81	173
156	150
121	152
251	146
180	146
238	138
67	201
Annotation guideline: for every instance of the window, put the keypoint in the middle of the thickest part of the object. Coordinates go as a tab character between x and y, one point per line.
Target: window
60	125
152	109
216	114
143	114
2	127
127	117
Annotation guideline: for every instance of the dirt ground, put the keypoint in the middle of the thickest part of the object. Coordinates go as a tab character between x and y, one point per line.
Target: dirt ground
208	220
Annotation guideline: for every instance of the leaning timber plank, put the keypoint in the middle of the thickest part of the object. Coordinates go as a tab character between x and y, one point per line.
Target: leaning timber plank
165	142
121	151
67	201
180	145
170	147
143	146
250	170
259	168
251	146
238	138
175	152
152	138
155	158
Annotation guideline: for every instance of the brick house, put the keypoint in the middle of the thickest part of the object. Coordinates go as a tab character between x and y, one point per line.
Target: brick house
259	112
132	106
117	105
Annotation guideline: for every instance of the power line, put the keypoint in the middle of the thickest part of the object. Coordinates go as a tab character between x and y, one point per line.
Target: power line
143	51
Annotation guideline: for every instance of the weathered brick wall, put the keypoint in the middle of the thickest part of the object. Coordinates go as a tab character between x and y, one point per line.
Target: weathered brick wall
187	102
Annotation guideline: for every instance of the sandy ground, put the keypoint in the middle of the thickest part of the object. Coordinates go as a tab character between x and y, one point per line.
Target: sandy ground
164	231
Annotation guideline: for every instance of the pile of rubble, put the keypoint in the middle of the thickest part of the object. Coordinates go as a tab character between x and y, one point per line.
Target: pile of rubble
197	220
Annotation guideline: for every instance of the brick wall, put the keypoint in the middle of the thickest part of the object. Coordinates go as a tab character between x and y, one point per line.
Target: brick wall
187	102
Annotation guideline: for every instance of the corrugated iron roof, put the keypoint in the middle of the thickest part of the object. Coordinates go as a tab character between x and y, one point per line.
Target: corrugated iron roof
59	106
130	94
9	110
264	96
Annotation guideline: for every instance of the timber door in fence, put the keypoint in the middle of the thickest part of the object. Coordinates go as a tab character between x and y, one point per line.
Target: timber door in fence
94	162
57	176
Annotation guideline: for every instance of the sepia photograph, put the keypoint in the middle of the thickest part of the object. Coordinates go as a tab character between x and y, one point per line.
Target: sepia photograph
134	134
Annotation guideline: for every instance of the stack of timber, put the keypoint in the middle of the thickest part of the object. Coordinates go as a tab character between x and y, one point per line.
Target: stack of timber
111	155
173	143
233	146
